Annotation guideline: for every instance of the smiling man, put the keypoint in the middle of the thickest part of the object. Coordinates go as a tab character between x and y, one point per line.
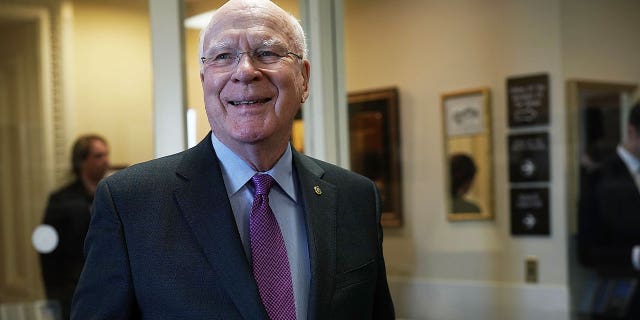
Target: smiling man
240	226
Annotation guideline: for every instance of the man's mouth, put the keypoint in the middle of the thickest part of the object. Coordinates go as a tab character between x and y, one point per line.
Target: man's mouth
248	102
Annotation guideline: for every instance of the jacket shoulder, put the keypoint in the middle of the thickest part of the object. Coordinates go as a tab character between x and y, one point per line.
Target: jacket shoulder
152	172
338	175
73	189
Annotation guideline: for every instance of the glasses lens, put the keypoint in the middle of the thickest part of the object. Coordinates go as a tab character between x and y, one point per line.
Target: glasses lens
263	58
267	58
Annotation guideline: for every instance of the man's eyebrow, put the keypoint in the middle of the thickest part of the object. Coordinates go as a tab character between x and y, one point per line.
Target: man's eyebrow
227	44
217	46
273	43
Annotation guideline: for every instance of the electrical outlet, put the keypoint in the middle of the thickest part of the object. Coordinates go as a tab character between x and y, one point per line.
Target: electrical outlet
531	269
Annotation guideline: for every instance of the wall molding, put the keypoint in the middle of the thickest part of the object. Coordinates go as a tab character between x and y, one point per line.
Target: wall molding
441	299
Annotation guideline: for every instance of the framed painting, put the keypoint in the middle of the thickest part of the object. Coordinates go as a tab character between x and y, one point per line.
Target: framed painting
468	154
374	146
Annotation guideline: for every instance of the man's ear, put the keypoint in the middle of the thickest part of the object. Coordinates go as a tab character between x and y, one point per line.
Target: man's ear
306	68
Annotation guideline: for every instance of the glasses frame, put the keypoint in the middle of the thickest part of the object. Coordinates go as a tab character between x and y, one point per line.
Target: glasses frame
250	54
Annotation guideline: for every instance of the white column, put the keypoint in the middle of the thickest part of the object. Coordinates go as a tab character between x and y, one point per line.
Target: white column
169	100
325	114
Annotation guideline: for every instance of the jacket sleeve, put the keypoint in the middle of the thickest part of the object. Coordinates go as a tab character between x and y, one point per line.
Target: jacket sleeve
383	305
599	244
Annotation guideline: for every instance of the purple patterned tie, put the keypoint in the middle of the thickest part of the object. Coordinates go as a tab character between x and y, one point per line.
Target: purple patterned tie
270	261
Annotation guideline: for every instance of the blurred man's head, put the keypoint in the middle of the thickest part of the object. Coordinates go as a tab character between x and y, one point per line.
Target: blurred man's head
90	158
462	171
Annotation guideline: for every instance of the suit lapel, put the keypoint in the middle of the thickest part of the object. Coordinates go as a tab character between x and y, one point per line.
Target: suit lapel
203	200
319	199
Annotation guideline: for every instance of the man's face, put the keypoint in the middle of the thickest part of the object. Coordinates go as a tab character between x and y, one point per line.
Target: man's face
96	164
246	104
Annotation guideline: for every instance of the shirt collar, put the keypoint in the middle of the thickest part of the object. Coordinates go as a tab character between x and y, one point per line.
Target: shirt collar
236	172
632	162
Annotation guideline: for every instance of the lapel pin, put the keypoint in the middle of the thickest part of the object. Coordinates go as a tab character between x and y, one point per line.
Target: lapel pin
317	190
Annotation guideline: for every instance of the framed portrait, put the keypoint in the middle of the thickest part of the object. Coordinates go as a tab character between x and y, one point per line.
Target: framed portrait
468	154
374	146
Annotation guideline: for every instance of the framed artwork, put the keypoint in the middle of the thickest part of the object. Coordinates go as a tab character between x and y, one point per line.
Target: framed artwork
468	154
374	146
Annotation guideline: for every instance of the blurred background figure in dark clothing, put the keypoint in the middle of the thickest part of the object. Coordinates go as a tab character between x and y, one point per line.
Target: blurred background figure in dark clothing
609	227
68	212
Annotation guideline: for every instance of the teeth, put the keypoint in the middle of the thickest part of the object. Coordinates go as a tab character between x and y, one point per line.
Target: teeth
236	103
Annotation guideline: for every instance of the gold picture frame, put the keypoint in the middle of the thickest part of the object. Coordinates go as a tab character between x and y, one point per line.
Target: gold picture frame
466	116
374	146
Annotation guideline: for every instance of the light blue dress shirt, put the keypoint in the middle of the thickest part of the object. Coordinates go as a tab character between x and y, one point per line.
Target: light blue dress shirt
286	205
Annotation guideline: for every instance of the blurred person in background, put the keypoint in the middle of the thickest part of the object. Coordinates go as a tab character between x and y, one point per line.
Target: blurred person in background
68	212
609	226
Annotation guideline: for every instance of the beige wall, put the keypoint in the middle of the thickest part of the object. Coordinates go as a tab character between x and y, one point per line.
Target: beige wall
111	76
600	40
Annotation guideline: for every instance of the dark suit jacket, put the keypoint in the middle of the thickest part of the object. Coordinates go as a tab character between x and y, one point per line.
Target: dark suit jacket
609	219
68	212
163	244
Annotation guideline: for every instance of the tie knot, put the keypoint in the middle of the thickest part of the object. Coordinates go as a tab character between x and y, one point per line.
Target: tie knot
262	183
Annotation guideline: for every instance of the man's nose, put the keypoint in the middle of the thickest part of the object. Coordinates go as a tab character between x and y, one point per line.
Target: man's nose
245	69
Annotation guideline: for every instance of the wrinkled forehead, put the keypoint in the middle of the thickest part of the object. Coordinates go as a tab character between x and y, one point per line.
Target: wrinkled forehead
244	39
255	28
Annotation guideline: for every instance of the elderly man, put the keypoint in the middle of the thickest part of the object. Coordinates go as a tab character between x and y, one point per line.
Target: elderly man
240	226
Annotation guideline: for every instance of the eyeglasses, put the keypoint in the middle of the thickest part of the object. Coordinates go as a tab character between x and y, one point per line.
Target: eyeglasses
264	58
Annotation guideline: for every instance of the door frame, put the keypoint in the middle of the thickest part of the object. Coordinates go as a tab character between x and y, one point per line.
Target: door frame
20	278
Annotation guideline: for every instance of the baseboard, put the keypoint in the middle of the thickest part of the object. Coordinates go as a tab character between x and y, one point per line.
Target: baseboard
461	300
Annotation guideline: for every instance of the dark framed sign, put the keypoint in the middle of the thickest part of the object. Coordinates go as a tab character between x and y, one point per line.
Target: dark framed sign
529	157
528	100
530	211
374	146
